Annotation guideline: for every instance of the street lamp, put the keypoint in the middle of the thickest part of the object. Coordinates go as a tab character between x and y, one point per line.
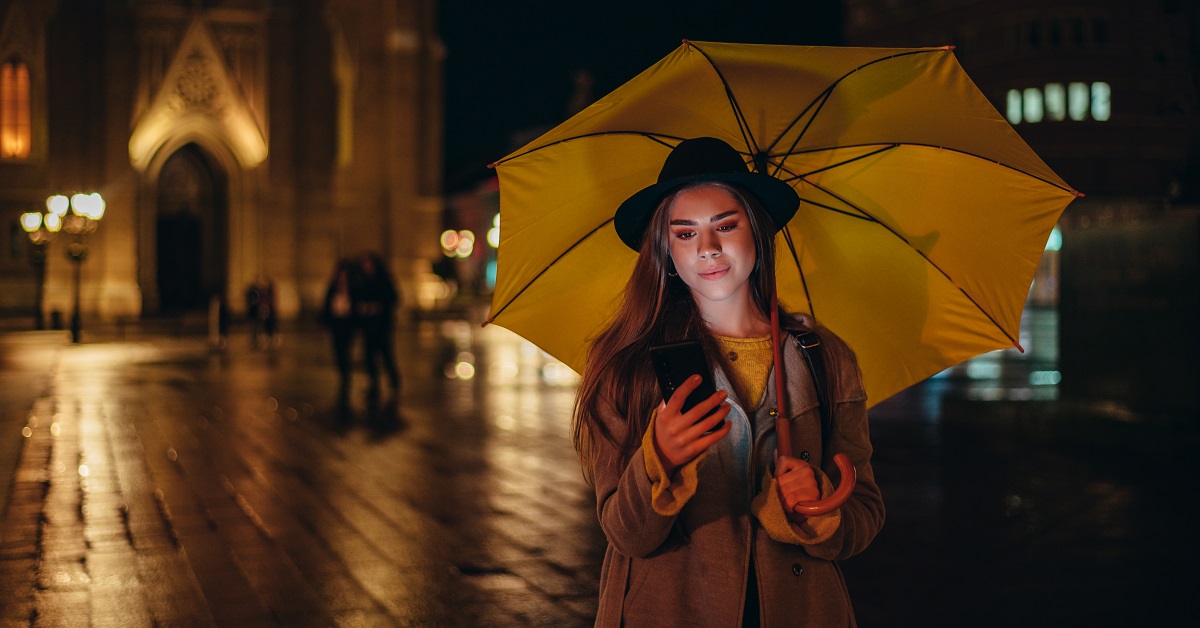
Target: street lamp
41	229
86	212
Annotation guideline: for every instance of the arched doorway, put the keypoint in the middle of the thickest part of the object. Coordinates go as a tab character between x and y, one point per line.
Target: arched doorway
191	231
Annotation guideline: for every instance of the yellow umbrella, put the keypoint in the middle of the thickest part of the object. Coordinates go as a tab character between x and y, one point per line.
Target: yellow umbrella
923	214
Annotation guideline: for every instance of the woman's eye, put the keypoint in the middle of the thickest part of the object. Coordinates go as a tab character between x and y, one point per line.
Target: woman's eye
685	235
727	227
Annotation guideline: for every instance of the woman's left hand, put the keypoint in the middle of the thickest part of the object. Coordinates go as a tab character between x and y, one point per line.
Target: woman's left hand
797	481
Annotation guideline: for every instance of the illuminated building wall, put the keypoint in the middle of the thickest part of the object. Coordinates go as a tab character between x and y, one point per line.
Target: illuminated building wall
232	139
1104	88
1106	92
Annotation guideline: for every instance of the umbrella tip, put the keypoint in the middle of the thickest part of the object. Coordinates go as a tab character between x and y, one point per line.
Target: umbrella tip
1078	194
1019	347
950	47
492	166
485	323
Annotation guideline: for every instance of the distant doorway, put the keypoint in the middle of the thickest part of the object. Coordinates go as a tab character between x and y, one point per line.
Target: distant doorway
190	232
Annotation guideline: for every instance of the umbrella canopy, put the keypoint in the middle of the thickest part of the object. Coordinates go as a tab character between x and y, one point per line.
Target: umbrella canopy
922	220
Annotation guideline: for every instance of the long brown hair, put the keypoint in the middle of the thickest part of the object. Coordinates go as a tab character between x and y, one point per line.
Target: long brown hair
656	309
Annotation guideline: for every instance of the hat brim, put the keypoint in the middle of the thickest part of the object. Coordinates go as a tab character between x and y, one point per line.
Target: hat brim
633	216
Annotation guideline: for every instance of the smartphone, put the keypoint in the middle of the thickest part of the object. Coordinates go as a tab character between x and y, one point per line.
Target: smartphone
675	362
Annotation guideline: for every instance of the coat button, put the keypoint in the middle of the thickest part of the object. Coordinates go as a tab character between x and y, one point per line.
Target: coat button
804	455
797	569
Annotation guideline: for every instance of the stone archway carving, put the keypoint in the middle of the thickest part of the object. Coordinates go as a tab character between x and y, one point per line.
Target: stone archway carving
199	101
198	94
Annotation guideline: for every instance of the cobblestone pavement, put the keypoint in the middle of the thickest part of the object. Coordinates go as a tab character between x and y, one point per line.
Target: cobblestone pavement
157	483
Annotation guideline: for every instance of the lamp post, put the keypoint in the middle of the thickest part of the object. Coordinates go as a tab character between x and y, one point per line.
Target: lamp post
41	229
86	212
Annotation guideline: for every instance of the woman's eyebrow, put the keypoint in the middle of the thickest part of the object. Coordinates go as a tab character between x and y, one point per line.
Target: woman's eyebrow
717	218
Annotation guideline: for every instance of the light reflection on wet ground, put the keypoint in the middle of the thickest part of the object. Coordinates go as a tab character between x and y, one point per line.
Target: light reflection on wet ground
175	485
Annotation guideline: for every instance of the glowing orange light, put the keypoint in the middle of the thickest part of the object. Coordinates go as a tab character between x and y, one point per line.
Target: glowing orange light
15	121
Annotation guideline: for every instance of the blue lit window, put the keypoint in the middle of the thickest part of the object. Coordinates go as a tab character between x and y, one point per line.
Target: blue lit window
1056	101
1033	104
1078	100
1013	112
1101	101
1054	242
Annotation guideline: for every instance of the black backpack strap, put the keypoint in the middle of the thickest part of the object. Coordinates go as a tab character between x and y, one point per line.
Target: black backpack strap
810	348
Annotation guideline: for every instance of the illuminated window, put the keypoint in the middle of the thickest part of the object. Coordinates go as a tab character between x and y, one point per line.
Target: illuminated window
1054	242
1056	101
1033	104
1078	100
1014	106
15	125
1101	95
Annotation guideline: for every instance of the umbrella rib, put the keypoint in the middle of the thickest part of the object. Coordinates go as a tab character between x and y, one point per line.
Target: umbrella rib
923	255
891	145
743	126
787	237
838	211
798	177
824	96
656	137
842	163
589	234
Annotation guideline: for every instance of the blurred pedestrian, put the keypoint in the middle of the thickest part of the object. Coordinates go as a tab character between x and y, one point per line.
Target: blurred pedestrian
338	316
260	308
218	321
269	311
253	296
702	513
375	303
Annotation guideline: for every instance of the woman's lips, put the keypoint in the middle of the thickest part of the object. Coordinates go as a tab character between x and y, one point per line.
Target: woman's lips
714	274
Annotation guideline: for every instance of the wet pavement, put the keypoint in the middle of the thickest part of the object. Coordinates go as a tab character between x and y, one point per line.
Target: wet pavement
154	482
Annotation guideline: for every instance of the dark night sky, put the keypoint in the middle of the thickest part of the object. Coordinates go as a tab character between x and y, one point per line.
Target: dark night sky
509	65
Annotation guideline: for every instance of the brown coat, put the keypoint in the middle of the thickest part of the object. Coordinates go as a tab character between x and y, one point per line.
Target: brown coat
691	569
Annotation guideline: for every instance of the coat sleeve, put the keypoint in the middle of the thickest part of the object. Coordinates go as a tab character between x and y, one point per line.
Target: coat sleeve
863	513
851	528
769	510
626	493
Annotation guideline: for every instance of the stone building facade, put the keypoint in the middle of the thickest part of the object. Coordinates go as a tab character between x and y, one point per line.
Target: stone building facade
230	139
1107	92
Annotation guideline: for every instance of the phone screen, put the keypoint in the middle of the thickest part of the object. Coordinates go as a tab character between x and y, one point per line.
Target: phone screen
675	362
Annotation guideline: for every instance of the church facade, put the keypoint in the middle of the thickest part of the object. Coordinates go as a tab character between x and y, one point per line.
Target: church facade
231	140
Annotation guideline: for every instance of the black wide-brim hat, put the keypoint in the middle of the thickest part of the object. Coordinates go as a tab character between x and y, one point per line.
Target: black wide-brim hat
693	161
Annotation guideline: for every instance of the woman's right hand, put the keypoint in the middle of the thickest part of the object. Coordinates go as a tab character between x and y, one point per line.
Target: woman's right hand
680	436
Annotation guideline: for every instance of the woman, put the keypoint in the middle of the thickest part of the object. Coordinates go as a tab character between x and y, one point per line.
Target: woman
337	315
697	507
375	304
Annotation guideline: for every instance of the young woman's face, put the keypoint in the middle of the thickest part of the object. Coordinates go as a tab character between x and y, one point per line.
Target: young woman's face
712	245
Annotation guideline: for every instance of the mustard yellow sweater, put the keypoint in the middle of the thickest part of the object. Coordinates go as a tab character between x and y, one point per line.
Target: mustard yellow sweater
750	361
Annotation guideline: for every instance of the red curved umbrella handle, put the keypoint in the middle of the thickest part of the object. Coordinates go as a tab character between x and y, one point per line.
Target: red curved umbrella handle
839	497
